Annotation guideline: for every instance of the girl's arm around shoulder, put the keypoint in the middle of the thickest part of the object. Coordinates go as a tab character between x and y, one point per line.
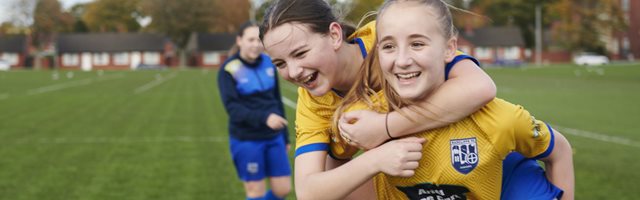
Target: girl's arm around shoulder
468	89
559	166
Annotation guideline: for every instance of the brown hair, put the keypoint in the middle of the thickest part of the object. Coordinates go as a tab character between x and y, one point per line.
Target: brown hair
235	48
316	14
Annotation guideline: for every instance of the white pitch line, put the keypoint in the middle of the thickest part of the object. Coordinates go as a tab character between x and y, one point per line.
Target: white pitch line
289	103
598	136
159	80
115	140
66	85
61	86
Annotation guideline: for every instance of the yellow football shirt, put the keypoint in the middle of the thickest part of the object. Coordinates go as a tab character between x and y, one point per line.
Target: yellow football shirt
465	158
314	113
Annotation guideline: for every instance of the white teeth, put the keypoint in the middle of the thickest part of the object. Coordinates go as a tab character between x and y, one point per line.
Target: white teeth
408	75
307	78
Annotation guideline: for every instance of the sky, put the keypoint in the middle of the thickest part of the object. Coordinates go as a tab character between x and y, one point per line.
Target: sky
5	7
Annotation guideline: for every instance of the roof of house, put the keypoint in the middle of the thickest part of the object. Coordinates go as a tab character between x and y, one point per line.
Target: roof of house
110	42
211	41
494	36
13	43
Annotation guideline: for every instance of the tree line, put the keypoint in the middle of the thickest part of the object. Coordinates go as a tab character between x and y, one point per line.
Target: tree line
578	23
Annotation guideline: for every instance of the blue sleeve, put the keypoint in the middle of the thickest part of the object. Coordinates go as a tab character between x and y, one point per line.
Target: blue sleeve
232	103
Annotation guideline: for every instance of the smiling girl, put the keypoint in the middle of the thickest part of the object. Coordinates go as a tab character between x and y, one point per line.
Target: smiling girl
416	39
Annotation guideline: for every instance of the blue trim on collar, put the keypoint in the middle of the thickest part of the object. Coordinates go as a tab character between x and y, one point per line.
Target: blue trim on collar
363	49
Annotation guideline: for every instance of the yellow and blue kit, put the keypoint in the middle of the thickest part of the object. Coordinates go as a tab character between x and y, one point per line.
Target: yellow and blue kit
523	178
314	113
464	160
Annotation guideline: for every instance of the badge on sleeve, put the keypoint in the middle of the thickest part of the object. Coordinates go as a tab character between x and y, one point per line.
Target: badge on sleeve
536	127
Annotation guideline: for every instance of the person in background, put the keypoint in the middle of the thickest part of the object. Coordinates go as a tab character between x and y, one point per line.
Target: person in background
258	136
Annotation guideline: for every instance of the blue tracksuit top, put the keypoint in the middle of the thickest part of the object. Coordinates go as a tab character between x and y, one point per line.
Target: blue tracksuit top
250	92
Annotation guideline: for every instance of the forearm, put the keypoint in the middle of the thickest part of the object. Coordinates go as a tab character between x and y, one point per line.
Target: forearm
467	90
559	166
452	102
339	180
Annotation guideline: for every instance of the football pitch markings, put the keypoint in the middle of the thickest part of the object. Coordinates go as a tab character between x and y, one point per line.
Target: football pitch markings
159	80
61	86
289	102
598	136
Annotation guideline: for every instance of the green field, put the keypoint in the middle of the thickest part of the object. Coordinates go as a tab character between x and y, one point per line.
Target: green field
163	134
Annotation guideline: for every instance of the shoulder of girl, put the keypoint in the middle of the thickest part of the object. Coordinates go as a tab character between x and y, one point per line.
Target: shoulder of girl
232	66
497	115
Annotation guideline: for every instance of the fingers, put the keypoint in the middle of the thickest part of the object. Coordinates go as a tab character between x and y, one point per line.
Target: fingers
409	169
414	156
350	116
411	165
278	122
347	138
281	122
407	173
284	121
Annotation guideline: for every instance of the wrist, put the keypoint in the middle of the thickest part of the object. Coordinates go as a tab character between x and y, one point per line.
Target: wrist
386	126
371	160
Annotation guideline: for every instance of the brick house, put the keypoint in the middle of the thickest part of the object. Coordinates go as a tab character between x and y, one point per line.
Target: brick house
494	45
209	49
14	50
114	51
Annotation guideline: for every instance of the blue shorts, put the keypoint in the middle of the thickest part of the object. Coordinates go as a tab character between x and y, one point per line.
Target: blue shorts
524	178
256	159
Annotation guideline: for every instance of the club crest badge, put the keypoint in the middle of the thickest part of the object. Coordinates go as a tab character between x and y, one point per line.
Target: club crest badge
464	154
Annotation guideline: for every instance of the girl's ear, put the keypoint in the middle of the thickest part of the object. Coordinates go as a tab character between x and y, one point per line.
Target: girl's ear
335	33
238	39
452	48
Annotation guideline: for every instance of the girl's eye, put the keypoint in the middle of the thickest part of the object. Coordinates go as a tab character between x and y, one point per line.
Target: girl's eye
301	54
387	47
279	65
417	44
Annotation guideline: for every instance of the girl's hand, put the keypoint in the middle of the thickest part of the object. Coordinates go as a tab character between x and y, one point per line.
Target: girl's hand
276	122
398	157
364	128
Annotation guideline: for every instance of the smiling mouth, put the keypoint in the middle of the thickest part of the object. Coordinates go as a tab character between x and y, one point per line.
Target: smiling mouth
308	80
407	76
